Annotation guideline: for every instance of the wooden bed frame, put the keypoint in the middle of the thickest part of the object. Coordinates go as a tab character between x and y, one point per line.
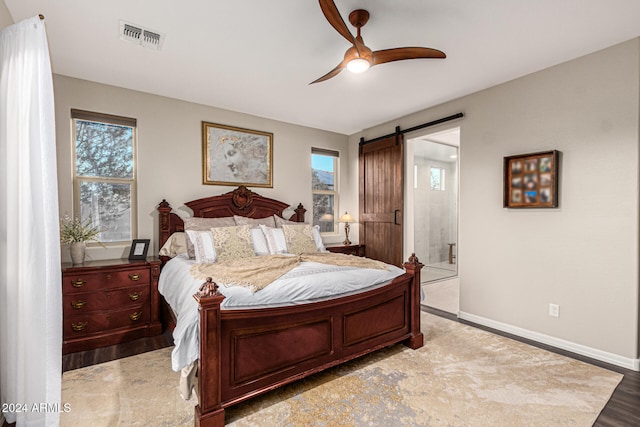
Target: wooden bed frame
244	353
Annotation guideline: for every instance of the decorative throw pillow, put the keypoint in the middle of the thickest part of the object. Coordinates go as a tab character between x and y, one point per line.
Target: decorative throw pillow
254	222
232	242
175	245
316	231
299	238
203	246
275	240
204	224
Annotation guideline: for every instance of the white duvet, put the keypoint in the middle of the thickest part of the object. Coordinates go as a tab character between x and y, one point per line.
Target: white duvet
306	283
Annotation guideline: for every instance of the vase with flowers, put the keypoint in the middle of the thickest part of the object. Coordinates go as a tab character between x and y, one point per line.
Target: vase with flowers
76	234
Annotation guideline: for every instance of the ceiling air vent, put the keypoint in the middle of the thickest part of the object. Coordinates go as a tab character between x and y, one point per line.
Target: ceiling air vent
142	36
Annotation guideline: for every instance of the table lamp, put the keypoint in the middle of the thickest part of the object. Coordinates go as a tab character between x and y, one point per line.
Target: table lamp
346	218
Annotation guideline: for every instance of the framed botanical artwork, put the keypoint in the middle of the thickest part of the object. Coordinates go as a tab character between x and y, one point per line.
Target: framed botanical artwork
531	180
235	156
139	249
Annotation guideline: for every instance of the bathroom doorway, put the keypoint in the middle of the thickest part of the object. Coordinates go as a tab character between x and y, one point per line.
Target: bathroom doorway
434	159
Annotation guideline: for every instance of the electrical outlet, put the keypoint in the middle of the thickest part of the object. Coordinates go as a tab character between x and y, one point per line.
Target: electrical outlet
554	310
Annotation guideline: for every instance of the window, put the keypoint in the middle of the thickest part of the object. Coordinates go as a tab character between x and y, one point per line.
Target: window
105	173
437	178
324	182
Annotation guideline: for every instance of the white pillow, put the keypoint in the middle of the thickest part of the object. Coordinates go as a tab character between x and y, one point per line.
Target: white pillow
318	239
275	240
260	245
203	245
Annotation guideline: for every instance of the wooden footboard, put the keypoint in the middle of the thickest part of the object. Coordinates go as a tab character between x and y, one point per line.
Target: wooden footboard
244	353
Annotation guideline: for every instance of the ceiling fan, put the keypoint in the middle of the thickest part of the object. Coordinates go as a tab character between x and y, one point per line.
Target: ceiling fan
359	58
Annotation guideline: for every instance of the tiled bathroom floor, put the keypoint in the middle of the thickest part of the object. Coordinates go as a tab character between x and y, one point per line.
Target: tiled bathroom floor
443	295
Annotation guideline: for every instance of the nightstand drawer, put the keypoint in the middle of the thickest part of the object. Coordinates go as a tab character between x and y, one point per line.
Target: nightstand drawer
97	281
106	300
80	325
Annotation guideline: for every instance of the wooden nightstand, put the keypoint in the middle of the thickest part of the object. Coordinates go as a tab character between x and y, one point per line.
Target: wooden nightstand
347	249
109	302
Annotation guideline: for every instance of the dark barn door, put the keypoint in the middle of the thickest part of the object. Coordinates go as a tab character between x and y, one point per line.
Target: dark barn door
382	198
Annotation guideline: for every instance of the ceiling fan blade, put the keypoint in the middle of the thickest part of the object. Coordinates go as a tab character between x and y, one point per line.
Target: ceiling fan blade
401	53
331	73
333	16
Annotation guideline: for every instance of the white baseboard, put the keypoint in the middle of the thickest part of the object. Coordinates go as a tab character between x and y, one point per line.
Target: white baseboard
603	356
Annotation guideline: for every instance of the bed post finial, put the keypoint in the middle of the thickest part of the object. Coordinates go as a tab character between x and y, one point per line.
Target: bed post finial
164	210
209	289
299	213
413	259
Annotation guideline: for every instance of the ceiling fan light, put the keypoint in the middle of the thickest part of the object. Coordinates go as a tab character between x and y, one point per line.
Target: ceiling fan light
358	65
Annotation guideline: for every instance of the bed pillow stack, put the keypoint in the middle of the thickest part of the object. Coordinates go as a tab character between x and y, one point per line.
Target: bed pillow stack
208	240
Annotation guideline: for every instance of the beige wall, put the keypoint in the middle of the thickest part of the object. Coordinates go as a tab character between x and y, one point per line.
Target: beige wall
170	151
583	255
5	16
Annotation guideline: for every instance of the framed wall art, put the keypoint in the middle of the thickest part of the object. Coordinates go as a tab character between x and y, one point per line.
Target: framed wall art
235	156
531	180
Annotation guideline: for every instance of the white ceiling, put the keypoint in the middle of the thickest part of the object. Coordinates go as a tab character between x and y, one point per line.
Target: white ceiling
439	146
258	56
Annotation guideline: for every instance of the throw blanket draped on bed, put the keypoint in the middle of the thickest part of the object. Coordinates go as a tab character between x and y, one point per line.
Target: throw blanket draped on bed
257	272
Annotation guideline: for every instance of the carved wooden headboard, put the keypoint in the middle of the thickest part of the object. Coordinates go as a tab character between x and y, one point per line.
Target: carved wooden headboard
241	201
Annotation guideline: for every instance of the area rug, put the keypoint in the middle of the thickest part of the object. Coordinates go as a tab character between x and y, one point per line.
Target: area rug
463	376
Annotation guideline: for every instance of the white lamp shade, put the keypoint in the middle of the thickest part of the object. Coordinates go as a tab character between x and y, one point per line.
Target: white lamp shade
346	218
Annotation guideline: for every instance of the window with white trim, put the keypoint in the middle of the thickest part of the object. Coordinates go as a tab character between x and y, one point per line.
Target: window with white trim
324	186
105	173
437	178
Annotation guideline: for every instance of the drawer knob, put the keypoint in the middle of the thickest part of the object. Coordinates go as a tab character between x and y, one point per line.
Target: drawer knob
78	304
78	283
79	326
134	296
134	277
135	316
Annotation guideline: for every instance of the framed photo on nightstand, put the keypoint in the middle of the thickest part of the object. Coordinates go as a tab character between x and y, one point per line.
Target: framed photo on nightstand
139	249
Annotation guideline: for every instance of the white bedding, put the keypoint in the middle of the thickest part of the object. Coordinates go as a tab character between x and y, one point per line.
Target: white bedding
306	283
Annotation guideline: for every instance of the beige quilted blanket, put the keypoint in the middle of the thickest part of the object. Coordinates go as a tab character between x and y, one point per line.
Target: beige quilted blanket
257	272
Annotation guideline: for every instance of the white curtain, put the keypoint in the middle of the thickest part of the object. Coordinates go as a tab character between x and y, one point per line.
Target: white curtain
30	283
